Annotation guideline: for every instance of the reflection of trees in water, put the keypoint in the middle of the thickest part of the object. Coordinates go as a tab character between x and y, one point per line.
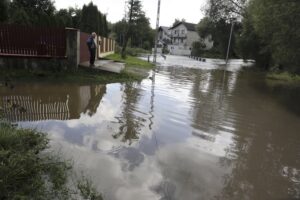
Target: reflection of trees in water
209	97
264	157
209	108
130	122
179	76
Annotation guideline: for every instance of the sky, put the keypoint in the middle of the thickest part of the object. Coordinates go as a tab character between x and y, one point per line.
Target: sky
190	10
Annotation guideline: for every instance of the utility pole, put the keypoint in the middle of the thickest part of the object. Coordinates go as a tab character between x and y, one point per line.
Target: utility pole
229	43
125	11
156	35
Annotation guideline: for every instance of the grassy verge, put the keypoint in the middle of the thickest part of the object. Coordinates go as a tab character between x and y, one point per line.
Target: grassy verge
131	61
29	171
135	70
284	76
80	76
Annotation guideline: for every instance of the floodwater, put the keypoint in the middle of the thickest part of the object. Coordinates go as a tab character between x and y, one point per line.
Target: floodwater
192	131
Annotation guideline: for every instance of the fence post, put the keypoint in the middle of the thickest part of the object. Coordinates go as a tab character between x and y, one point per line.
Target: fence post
73	48
99	46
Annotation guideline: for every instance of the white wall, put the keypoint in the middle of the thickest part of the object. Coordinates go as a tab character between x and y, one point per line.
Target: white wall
179	50
192	36
183	44
162	36
209	43
179	31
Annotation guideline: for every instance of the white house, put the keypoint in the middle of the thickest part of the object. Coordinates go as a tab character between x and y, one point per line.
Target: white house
164	36
183	35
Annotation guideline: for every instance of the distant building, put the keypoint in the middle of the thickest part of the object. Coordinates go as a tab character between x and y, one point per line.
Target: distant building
182	36
164	36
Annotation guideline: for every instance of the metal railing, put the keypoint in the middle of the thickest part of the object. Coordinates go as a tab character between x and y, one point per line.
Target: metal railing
24	41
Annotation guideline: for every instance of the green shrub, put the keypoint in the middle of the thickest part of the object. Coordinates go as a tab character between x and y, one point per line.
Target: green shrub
28	171
132	51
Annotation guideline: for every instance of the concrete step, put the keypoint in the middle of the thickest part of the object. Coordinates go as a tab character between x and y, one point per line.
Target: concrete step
105	65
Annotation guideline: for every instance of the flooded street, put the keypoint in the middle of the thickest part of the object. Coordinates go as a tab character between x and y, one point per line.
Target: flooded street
192	131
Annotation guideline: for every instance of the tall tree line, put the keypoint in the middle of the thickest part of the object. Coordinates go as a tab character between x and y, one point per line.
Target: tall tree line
43	13
134	30
265	30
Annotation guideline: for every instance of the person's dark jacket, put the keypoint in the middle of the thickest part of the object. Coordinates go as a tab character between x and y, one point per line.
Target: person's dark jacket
91	43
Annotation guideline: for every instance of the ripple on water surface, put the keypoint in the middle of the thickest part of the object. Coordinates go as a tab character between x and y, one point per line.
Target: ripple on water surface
194	131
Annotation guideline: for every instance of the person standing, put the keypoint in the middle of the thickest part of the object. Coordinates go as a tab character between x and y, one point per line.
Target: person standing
92	48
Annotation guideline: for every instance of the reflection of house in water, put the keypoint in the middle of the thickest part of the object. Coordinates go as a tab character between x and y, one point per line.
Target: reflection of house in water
50	102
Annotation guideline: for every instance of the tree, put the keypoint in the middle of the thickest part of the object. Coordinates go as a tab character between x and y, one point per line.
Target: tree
4	10
89	18
217	24
92	20
135	9
248	43
137	30
76	15
205	27
176	21
104	25
225	9
119	29
37	6
20	17
64	18
141	32
219	32
39	12
274	26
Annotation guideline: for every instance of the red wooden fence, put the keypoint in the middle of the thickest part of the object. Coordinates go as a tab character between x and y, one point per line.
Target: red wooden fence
16	40
84	50
106	45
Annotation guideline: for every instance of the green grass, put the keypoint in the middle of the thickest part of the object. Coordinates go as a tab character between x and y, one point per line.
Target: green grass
135	70
131	61
86	76
284	76
29	171
79	76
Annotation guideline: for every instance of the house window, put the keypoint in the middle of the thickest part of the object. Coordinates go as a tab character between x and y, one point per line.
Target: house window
183	31
175	31
181	40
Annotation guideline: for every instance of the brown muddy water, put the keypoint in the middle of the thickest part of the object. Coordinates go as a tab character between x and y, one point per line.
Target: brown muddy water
187	133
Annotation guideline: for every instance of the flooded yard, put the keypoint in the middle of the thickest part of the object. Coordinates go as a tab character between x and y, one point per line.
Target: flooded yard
191	131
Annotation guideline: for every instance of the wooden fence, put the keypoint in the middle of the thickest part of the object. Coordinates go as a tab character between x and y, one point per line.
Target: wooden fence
17	40
105	46
84	51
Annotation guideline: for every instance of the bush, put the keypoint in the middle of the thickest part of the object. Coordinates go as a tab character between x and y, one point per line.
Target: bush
132	51
136	51
27	171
